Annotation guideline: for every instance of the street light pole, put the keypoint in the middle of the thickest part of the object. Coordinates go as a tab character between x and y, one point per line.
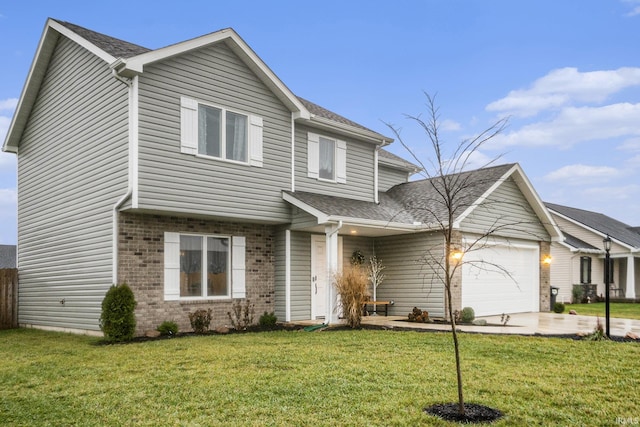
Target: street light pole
607	274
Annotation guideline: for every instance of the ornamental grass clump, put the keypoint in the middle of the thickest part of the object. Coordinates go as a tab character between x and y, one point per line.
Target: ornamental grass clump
352	286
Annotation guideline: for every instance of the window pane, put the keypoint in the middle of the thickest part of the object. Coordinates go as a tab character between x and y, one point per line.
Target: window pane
217	266
209	131
327	158
190	266
236	137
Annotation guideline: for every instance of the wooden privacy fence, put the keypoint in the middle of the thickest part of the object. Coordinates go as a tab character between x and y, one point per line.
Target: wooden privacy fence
8	298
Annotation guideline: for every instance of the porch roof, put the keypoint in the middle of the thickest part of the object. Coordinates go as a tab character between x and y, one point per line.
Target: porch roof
580	245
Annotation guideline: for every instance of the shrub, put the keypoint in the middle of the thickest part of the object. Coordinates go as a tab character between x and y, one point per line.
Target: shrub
268	319
118	321
168	327
351	285
200	320
558	307
467	315
241	316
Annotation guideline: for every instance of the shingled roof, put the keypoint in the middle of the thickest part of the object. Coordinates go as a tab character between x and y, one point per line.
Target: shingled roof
122	49
410	203
424	204
113	46
599	222
7	256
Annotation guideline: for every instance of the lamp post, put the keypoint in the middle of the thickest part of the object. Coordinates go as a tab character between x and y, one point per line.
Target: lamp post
607	274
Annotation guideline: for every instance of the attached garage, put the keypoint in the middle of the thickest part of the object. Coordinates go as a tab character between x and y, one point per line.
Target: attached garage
501	278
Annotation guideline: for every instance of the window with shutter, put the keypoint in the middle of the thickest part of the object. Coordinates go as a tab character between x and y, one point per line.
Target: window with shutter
203	267
216	132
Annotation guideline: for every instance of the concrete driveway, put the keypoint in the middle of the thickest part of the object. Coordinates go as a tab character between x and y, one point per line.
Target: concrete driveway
523	324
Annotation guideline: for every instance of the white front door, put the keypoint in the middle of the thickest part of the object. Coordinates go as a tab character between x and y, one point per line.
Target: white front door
318	277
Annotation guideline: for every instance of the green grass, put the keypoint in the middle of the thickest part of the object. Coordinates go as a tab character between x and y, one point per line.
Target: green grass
616	309
342	378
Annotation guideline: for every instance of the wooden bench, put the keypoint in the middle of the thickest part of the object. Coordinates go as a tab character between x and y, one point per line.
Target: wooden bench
374	307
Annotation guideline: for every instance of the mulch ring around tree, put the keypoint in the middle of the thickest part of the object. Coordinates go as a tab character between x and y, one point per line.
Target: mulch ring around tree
474	413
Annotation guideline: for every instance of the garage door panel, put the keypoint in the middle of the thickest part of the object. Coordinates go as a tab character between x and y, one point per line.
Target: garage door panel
500	279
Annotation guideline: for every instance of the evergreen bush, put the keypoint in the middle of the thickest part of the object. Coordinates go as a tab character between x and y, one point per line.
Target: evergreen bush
168	327
268	319
118	321
467	315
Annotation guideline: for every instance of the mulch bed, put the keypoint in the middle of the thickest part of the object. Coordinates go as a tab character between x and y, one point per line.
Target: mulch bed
473	413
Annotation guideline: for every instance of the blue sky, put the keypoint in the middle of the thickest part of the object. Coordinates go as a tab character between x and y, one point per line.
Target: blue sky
567	73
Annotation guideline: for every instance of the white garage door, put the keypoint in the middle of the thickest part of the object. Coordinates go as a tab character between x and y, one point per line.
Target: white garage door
489	290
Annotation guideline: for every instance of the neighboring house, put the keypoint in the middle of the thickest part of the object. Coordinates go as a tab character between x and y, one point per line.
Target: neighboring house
195	175
7	256
579	258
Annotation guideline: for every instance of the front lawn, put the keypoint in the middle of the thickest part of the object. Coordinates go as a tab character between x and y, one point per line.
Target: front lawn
339	378
616	309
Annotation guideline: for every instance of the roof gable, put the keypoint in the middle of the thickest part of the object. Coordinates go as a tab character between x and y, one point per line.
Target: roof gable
599	224
418	205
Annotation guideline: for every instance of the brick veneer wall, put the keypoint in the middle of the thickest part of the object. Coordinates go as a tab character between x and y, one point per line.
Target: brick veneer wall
141	266
545	278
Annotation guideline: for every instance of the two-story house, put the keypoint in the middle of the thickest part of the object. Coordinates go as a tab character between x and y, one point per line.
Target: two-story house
192	173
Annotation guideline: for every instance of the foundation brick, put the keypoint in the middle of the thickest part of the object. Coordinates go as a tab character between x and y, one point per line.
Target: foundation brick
141	266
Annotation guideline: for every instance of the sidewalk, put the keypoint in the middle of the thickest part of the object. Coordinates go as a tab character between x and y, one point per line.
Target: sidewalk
522	324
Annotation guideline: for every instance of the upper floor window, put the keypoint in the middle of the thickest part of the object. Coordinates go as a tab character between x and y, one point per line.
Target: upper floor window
217	132
326	158
326	169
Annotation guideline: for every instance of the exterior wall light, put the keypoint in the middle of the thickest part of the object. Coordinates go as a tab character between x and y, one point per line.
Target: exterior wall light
547	259
607	260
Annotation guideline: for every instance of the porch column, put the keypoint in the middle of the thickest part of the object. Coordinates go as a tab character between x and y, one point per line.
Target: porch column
331	232
630	292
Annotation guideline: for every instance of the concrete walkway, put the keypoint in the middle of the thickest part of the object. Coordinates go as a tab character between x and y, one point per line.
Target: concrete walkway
523	324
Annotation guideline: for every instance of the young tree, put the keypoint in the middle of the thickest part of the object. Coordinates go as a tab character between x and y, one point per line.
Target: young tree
453	190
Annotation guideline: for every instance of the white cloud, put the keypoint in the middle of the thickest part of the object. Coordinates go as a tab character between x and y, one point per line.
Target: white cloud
7	162
583	174
575	125
636	9
8	104
450	125
564	86
616	192
4	127
8	202
632	144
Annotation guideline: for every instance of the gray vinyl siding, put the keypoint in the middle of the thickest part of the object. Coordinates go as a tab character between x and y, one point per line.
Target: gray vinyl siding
389	177
360	170
300	276
171	180
562	270
351	244
506	213
72	168
408	281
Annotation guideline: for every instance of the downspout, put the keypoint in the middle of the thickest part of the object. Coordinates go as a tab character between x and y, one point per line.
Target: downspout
293	154
375	175
127	195
114	256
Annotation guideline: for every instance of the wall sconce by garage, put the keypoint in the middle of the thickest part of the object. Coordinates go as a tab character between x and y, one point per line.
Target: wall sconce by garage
547	260
456	255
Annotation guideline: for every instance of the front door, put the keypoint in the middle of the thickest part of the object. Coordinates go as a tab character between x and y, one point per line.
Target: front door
318	277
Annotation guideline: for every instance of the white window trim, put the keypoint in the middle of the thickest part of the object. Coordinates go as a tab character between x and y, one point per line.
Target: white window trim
189	132
236	285
339	158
